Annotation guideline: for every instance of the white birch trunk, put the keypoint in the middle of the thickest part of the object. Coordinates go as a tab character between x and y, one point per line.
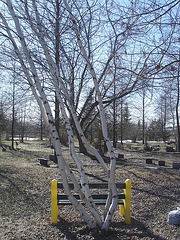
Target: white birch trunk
56	77
112	186
61	162
42	100
33	89
84	183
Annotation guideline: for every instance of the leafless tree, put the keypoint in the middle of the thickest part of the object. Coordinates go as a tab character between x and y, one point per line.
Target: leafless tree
70	54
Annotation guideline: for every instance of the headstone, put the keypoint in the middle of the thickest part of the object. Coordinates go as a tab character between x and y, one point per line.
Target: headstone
120	155
3	149
169	149
161	163
149	161
43	162
53	158
176	165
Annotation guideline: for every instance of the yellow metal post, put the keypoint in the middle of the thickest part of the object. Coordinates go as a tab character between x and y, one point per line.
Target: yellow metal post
54	206
121	210
127	202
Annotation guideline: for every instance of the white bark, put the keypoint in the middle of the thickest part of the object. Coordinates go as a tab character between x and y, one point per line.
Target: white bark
84	182
25	70
57	79
61	162
29	69
112	185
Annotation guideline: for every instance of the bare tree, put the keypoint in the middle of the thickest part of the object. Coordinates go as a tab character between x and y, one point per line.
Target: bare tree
70	54
177	107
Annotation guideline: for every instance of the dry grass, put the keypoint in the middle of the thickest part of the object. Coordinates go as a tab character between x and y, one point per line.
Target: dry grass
25	197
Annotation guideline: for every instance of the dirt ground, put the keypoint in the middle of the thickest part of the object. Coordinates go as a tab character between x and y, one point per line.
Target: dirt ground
25	196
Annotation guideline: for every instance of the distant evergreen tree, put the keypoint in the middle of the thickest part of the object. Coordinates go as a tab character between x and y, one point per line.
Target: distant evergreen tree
156	131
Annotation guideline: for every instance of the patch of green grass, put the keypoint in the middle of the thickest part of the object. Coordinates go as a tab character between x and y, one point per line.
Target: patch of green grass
6	142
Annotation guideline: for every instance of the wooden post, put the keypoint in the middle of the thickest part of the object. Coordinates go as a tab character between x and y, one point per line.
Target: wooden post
54	206
127	202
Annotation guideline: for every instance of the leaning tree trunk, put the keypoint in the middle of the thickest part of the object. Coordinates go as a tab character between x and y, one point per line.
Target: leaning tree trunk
31	73
112	186
63	166
57	79
113	198
55	138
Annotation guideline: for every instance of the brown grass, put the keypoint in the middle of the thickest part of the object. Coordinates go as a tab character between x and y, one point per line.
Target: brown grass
25	197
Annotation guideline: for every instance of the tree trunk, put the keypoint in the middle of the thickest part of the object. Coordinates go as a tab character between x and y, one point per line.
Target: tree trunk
112	197
55	138
114	117
41	128
121	126
82	148
177	107
143	121
13	112
57	121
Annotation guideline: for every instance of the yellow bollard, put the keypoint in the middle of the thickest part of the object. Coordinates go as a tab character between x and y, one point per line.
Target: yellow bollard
121	210
127	202
54	206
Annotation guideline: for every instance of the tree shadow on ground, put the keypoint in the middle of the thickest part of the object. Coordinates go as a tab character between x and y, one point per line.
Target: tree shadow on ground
161	188
16	190
118	230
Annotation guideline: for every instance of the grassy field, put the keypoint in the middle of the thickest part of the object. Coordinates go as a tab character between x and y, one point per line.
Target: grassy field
25	196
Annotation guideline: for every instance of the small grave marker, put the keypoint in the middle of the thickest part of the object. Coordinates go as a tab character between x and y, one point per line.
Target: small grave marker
120	155
148	160
161	163
53	158
44	162
3	149
176	165
169	149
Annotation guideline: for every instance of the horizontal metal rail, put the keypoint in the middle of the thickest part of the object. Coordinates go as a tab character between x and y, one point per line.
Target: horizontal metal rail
124	199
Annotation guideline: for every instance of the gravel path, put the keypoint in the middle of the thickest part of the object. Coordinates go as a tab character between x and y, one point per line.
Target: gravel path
25	198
